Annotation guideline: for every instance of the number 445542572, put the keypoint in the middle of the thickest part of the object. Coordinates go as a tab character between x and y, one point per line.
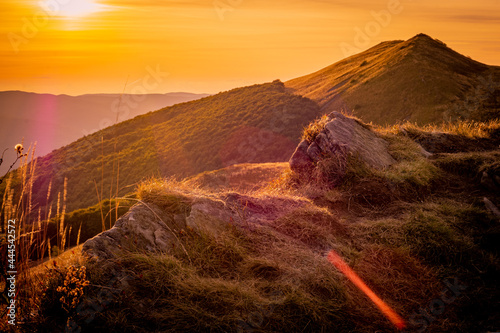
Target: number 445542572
11	239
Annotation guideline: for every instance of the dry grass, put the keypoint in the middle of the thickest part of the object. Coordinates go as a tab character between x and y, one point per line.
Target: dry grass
466	128
314	128
396	228
28	238
242	178
41	255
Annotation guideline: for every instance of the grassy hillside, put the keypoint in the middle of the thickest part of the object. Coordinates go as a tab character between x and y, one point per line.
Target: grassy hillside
261	123
54	121
417	233
419	80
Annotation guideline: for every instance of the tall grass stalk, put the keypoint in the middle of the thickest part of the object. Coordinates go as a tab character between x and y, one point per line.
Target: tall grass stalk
62	228
19	207
102	177
78	236
103	226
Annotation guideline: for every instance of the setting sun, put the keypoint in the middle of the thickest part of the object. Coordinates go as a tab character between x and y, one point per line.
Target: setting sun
78	8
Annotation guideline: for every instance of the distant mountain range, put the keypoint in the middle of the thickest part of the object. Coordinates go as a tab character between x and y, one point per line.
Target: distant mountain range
57	120
419	80
253	124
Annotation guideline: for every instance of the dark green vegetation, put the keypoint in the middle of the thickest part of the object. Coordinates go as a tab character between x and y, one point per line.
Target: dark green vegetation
410	232
419	80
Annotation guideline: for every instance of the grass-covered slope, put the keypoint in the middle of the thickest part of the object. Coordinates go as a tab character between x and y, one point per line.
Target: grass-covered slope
417	233
418	80
57	120
260	123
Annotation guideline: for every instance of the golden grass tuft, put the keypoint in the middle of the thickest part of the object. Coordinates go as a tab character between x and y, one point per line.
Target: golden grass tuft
165	195
466	128
314	128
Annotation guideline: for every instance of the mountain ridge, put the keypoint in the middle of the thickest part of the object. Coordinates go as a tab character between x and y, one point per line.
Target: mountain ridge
417	80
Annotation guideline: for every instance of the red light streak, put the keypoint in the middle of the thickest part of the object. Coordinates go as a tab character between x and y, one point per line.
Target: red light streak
342	266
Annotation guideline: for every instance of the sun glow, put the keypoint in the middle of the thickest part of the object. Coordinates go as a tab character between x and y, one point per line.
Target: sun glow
78	8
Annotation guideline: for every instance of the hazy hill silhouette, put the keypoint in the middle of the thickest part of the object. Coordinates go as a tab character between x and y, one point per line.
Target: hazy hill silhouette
418	80
260	123
57	120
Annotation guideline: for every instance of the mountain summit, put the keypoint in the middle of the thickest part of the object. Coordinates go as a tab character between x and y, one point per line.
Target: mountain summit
419	80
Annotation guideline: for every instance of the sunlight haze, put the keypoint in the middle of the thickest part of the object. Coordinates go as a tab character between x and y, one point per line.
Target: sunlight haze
102	46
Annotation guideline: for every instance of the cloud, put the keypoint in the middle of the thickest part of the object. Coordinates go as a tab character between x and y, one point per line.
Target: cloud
474	18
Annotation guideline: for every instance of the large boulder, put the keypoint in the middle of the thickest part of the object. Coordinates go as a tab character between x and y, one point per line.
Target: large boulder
341	136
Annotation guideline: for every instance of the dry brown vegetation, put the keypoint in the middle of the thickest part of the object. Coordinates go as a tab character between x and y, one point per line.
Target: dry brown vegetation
407	231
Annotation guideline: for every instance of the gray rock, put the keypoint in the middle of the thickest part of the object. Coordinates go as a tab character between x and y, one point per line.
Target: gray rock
342	136
314	152
141	228
300	161
151	229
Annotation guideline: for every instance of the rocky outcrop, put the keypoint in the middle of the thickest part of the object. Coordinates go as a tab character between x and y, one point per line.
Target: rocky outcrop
145	227
300	160
148	227
342	136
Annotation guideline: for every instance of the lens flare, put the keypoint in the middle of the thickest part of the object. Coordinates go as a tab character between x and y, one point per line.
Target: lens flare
342	266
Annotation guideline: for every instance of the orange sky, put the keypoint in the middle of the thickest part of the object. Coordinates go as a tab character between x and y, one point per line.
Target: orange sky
76	46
